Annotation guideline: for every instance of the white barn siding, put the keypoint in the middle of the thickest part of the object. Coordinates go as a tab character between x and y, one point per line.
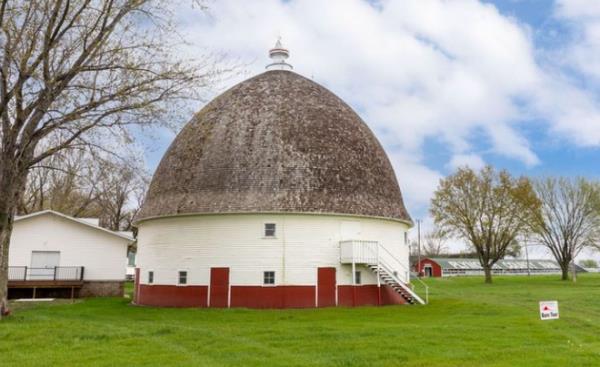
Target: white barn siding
102	254
302	244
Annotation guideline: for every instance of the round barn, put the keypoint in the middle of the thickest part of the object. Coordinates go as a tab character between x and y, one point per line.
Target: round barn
276	194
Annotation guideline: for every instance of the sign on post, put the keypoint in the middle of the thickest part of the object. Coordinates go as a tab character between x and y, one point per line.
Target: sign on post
549	310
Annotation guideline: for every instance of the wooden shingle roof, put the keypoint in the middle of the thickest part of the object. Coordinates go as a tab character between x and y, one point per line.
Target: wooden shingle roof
277	142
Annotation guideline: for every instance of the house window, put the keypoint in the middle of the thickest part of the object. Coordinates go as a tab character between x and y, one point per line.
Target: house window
130	258
182	277
150	277
269	277
270	229
406	238
357	279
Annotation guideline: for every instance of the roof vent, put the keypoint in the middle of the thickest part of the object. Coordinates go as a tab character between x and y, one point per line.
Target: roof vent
279	54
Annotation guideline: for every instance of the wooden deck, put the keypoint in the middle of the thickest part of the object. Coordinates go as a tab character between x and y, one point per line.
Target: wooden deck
67	278
45	283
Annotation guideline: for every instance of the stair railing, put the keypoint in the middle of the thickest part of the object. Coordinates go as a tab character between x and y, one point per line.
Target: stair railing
374	254
425	287
397	262
383	262
403	284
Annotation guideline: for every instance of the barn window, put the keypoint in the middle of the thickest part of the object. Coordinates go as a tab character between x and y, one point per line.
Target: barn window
182	277
406	238
270	229
269	277
357	279
150	277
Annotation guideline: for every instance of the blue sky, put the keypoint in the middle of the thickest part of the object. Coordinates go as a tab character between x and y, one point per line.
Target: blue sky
512	83
557	157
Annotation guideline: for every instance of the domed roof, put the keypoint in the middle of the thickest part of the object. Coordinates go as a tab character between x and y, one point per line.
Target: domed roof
277	142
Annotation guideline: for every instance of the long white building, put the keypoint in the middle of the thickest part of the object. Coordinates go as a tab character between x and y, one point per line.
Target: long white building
53	254
276	194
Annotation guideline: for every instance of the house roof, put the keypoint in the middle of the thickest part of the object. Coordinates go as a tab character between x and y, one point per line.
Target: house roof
85	222
277	142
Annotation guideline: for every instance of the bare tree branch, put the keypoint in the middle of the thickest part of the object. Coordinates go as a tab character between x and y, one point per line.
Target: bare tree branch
73	72
569	220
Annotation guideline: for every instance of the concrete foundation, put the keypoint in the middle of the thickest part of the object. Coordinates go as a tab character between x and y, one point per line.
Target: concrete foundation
110	288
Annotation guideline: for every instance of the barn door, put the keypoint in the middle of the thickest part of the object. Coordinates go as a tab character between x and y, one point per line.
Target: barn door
326	287
43	264
428	271
219	287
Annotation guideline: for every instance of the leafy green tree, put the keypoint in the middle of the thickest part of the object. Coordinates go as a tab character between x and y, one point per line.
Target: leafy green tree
488	209
588	263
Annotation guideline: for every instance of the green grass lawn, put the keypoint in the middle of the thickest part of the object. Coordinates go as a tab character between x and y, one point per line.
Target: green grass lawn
467	323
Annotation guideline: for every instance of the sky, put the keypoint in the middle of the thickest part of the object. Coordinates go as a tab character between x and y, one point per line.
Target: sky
511	83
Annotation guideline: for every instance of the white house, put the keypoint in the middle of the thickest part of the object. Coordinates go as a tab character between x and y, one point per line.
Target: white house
276	194
53	254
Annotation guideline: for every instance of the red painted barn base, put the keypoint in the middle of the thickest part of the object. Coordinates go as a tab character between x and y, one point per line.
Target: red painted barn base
288	296
368	295
172	295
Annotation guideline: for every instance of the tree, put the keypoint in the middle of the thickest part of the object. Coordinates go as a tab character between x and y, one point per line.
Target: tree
488	209
469	254
79	73
588	263
569	219
515	250
65	182
81	184
121	191
434	243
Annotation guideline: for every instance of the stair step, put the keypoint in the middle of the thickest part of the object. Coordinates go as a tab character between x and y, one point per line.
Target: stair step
390	280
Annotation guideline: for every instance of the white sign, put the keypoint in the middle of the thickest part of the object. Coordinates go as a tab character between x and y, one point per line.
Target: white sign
549	310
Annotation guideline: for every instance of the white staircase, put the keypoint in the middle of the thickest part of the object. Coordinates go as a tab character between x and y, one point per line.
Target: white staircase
385	266
403	289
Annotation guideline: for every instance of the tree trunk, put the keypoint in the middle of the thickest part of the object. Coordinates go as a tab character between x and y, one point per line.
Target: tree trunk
564	267
12	185
6	221
488	274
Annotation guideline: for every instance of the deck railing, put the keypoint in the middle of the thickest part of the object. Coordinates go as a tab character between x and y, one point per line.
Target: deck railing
359	252
372	252
57	273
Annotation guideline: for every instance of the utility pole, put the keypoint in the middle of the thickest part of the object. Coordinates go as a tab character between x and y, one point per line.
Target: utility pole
527	256
419	246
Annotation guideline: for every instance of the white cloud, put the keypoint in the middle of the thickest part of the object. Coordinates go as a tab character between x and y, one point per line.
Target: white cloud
578	8
519	149
418	182
472	161
575	110
416	70
583	16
